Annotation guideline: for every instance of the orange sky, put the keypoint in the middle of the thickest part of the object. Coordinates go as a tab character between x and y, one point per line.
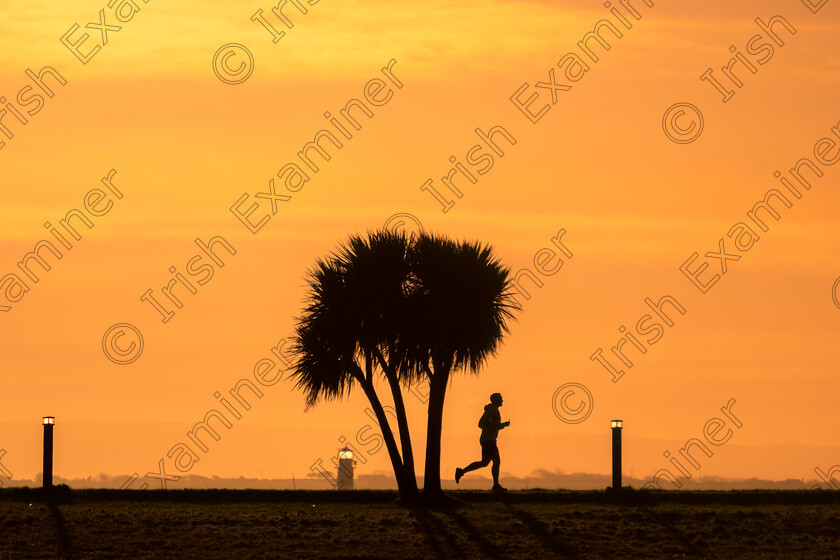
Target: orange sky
635	207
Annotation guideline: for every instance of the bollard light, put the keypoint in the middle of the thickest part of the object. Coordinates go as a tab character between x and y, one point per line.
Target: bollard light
616	426
49	424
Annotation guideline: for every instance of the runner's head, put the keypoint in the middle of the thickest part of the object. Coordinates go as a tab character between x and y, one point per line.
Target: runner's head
496	398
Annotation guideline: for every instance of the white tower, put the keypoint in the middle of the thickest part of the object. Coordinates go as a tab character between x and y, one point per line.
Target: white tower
345	469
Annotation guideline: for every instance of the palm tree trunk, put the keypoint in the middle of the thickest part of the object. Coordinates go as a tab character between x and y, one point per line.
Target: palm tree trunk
403	484
402	421
405	436
437	393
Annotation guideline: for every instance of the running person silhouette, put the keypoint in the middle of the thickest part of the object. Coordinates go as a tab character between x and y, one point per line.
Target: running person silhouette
490	424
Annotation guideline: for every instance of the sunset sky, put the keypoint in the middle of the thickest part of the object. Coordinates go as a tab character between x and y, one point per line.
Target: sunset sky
635	206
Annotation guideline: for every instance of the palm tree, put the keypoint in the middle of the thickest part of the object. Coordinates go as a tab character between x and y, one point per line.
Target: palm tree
349	331
378	272
461	302
408	309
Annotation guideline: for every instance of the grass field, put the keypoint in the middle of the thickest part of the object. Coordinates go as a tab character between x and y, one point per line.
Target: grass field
242	524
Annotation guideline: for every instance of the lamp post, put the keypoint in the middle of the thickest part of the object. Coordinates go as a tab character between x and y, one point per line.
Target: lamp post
616	426
49	424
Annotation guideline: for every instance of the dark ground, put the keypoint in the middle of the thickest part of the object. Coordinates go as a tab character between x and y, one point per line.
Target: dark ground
244	524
